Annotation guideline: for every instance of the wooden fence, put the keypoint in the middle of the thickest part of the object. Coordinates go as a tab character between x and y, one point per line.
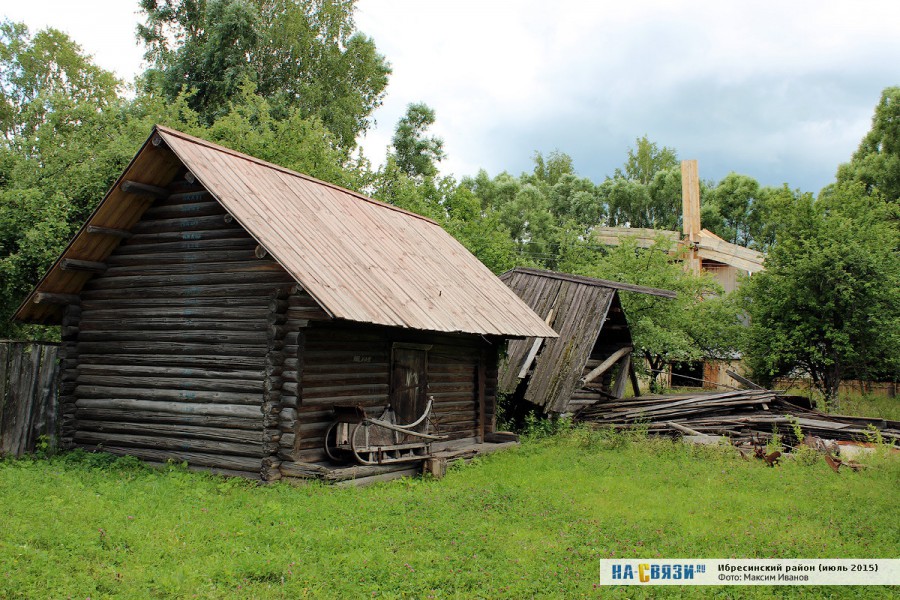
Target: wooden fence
28	403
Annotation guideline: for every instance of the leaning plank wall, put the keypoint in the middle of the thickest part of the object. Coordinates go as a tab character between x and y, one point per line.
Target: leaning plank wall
167	356
28	410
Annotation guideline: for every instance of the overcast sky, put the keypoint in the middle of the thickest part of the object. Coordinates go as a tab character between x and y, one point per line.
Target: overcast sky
782	91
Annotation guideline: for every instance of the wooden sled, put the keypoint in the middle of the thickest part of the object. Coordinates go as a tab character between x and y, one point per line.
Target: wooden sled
380	441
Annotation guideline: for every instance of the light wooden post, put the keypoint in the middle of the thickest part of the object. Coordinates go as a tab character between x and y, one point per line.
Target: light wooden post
690	200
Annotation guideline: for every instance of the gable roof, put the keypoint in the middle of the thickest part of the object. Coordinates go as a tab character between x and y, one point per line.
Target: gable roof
360	259
580	306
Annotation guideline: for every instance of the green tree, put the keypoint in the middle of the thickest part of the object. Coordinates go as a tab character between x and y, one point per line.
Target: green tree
829	299
299	55
876	164
416	154
734	200
645	160
697	324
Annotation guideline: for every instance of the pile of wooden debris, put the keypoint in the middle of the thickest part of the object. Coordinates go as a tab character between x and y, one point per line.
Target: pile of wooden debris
746	417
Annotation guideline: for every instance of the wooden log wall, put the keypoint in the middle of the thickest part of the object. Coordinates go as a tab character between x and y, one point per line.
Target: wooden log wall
175	346
329	363
28	408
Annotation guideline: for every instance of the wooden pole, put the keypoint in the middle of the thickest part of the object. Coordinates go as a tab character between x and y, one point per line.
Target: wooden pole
605	365
690	201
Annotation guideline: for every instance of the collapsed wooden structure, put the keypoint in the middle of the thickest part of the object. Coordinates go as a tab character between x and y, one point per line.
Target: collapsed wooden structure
742	416
215	309
590	360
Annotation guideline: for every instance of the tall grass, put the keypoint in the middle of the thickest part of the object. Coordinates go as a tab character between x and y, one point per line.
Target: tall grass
530	522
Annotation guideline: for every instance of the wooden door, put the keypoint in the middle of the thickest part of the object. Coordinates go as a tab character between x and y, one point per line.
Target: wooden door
409	381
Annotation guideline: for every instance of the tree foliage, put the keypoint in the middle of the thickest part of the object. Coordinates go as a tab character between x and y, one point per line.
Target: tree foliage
829	299
698	324
415	154
299	55
876	164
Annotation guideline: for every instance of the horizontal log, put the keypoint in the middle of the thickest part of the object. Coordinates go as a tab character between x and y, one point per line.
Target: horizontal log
183	224
245	386
192	360
143	189
85	266
170	324
179	430
193	204
181	408
53	298
193	373
253	423
187	336
311	394
201	278
166	443
122	234
299	469
205	265
171	348
256	289
147	244
169	395
221	461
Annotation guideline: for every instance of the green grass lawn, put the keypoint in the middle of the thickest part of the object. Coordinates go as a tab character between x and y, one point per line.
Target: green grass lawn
529	522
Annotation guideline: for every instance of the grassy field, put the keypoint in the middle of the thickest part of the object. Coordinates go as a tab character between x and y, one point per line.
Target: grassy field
530	522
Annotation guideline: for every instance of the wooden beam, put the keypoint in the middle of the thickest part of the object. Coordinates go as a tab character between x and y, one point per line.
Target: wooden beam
743	380
534	349
482	385
635	385
51	298
619	390
605	365
644	238
690	202
85	266
143	189
119	233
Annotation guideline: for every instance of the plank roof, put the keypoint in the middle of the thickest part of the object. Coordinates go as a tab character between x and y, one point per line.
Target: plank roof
360	259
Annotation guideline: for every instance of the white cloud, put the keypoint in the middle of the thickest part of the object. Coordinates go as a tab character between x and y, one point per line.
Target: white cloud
782	91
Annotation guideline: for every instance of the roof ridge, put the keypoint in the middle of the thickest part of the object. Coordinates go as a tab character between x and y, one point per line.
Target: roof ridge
594	281
264	163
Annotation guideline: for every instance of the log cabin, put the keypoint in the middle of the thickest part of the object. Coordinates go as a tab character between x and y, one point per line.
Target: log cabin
216	308
590	361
